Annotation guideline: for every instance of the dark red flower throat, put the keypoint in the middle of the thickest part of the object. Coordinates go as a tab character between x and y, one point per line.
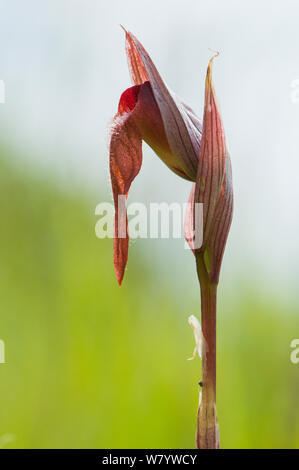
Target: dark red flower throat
128	99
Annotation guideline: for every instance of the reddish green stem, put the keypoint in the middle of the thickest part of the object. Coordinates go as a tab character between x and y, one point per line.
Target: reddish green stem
207	423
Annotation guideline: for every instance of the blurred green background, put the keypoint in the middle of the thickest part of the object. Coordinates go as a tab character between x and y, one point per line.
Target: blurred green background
90	364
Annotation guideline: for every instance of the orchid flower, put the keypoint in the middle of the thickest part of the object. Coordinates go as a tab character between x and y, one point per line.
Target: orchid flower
149	111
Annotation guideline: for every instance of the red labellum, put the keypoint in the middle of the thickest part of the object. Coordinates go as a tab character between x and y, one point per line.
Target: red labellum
128	99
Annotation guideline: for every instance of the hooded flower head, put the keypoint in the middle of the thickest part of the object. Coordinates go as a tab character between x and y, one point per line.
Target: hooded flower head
149	111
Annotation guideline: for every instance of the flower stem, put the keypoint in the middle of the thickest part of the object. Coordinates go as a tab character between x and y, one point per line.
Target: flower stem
207	436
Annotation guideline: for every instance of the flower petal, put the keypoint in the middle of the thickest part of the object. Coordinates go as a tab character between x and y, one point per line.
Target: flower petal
136	67
213	188
183	133
149	121
221	224
125	164
212	157
138	118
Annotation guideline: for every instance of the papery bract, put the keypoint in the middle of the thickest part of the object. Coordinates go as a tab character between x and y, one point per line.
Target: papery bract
213	187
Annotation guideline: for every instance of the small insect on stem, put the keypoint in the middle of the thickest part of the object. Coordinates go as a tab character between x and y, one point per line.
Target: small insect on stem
200	383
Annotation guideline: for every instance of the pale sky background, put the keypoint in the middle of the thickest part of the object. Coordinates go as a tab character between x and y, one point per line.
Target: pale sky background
64	66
